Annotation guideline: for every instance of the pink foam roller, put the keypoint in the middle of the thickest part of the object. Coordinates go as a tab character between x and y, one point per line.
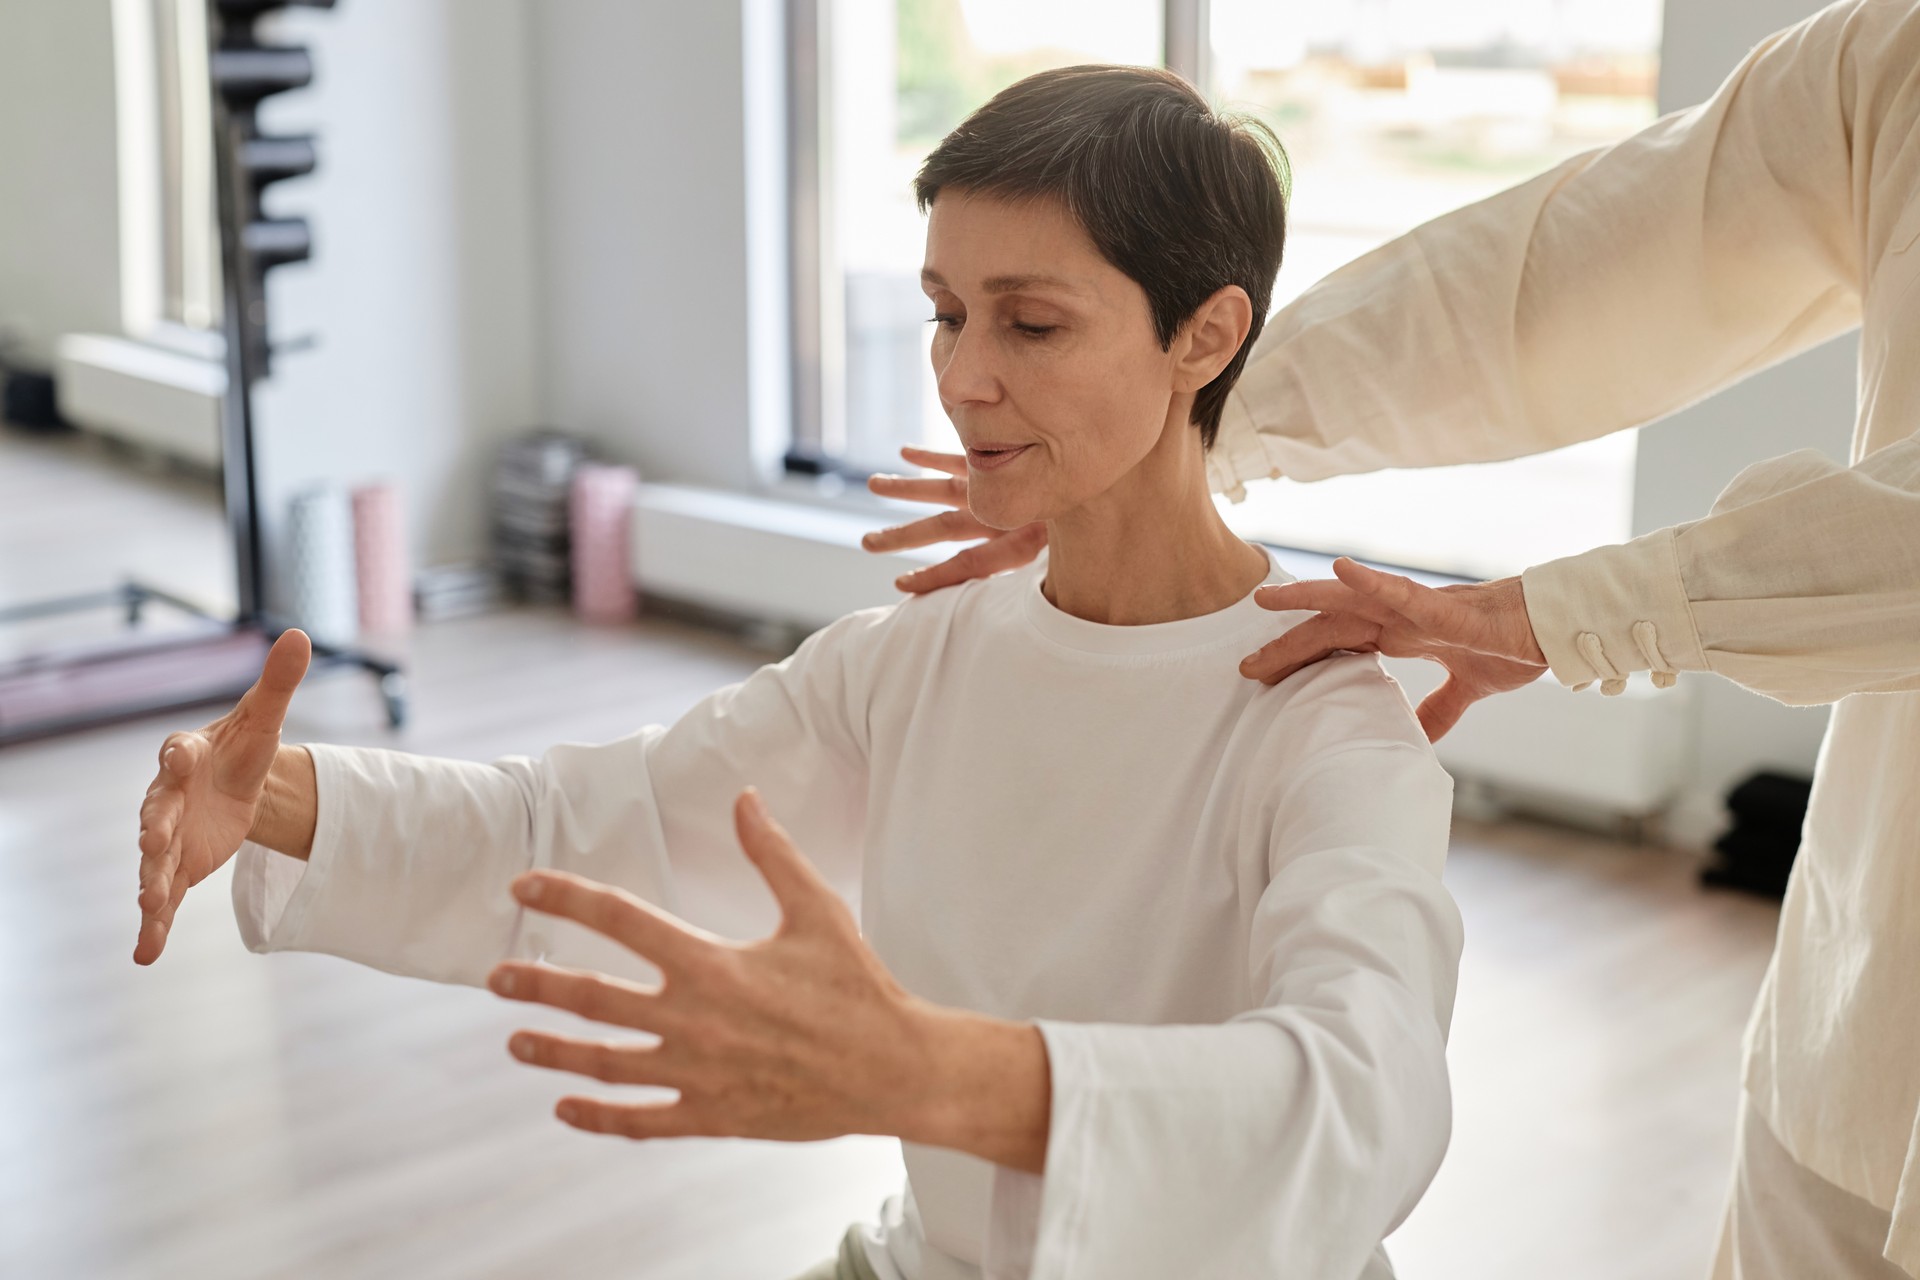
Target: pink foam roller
380	561
601	515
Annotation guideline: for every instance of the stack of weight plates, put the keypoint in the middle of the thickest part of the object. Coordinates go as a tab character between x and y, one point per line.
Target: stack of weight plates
531	484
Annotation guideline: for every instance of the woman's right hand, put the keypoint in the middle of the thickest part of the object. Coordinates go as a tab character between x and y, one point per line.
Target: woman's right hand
207	795
1003	548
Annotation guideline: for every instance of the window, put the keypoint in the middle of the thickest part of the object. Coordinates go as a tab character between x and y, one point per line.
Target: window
893	77
1393	112
1397	111
170	248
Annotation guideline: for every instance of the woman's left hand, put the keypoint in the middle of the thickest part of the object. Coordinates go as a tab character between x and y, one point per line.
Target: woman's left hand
800	1036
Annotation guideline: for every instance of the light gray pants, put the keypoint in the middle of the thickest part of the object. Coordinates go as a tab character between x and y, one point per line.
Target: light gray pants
1784	1222
850	1264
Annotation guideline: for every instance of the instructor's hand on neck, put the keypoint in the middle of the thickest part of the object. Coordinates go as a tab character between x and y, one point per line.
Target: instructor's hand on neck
224	783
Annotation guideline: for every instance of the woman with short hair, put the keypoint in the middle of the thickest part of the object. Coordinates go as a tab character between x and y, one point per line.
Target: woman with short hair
1155	964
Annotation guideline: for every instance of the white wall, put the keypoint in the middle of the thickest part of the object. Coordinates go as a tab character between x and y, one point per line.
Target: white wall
422	289
642	144
59	185
1685	461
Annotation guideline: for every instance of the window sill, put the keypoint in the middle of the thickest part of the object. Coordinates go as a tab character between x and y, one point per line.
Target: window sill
143	394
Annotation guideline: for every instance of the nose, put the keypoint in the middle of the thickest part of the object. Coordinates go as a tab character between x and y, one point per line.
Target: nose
963	367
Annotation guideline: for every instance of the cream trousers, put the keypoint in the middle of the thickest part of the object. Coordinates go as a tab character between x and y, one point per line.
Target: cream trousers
1785	1222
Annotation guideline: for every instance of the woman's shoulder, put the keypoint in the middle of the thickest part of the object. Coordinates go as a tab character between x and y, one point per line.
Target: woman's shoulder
1340	702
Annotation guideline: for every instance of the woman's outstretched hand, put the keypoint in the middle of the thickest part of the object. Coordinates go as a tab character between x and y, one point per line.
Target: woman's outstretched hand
1480	633
204	800
1003	549
803	1035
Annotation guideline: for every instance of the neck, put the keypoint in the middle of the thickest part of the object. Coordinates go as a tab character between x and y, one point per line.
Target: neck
1152	548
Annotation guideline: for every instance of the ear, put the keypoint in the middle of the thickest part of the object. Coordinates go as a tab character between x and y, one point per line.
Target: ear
1211	338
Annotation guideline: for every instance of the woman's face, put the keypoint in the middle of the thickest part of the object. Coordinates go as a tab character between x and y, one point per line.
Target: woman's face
1045	355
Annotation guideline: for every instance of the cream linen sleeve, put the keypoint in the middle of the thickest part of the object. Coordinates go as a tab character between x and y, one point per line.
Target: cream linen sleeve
1802	584
1622	285
412	856
1293	1139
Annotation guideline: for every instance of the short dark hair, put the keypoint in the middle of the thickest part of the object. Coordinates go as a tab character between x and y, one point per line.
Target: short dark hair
1182	199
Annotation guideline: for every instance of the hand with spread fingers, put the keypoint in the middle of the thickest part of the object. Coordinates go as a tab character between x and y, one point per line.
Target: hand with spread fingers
1002	549
1479	632
801	1036
210	791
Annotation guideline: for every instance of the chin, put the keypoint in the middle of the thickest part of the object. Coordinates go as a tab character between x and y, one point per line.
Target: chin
999	505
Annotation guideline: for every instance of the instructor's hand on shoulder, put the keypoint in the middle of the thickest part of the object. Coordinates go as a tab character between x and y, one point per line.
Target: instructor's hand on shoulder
1003	548
206	798
1479	632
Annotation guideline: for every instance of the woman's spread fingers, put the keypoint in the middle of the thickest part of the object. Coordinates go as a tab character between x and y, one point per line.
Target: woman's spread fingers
176	894
152	940
594	996
1318	637
944	490
632	1120
158	814
640	926
180	755
797	885
948	526
954	464
949	572
159	861
1002	552
608	1061
286	665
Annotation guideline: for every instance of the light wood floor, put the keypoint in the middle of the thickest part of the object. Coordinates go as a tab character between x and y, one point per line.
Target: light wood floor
226	1115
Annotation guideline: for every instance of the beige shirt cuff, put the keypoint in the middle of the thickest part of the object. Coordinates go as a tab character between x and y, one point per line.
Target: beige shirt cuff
1241	451
1606	613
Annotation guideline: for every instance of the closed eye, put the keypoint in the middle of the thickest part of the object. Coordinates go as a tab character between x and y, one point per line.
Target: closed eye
946	321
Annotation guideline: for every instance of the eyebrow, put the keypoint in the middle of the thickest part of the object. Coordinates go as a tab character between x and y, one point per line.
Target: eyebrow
1010	284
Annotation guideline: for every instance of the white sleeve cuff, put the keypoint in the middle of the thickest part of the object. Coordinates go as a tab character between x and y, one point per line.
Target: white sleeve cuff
273	892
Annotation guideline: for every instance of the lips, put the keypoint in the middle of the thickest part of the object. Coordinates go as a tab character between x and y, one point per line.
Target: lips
986	457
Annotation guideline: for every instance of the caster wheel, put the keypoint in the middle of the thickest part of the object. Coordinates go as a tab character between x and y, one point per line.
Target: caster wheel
393	691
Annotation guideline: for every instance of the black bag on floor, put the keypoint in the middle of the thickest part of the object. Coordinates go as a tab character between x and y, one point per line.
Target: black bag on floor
1756	854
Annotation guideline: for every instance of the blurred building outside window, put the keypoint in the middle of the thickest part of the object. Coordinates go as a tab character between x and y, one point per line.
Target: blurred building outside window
1392	112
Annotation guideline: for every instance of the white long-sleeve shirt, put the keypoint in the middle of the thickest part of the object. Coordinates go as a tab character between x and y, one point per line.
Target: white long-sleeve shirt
1221	903
1620	286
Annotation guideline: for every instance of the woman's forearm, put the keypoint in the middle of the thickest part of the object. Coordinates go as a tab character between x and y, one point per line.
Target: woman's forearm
993	1092
289	804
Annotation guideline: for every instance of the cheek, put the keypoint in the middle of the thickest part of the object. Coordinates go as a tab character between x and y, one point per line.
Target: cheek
1110	407
1097	414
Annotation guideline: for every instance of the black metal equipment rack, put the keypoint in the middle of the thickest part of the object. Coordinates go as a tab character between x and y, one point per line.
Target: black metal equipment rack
67	691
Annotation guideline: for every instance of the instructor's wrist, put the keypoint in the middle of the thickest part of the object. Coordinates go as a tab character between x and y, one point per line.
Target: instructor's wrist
284	819
1512	605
